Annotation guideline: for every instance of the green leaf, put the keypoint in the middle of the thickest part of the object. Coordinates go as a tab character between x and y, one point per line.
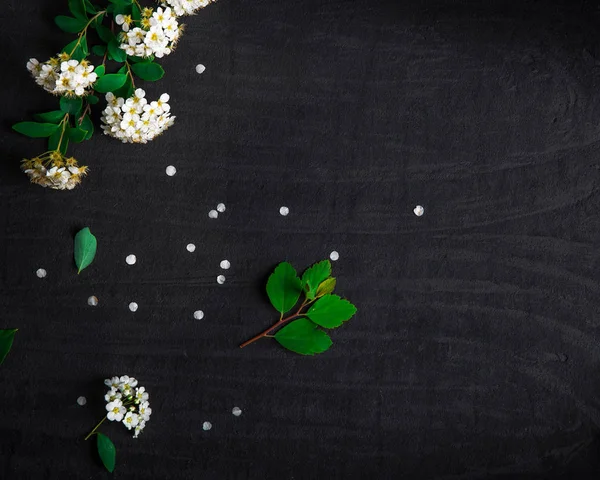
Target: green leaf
89	7
99	50
136	13
330	311
77	135
34	129
88	126
126	90
71	105
54	116
85	248
148	71
141	59
77	8
303	337
92	99
313	276
6	341
77	49
327	286
100	70
110	82
116	53
70	24
284	287
107	451
55	138
104	33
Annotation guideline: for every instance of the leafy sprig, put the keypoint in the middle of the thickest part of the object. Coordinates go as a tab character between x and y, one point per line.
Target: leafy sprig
302	331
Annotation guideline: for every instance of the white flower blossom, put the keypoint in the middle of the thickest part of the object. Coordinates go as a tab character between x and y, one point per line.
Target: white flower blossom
186	7
131	420
145	411
112	395
138	429
63	76
116	410
141	395
155	34
53	170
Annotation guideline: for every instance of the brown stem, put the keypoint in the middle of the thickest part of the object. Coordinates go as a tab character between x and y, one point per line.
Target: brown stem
88	109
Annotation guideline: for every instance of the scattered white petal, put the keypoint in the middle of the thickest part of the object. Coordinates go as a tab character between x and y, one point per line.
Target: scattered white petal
236	411
200	68
41	273
221	207
213	214
334	255
225	264
284	211
206	426
221	279
133	306
190	247
131	259
198	314
171	170
419	210
93	301
81	401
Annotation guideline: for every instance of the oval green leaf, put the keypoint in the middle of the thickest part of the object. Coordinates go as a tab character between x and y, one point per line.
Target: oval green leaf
85	248
34	129
77	135
88	126
92	99
107	451
330	311
110	82
71	105
77	8
148	71
303	337
116	53
99	50
313	276
50	117
284	287
100	70
326	287
104	33
70	24
6	341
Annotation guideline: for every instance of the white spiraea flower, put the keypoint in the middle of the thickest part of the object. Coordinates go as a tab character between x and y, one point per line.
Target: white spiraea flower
131	420
135	120
141	395
112	395
186	7
53	170
155	34
116	410
145	411
112	382
138	429
63	76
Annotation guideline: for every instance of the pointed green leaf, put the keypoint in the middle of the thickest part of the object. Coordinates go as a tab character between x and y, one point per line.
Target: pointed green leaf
50	117
100	70
148	71
76	49
77	8
136	13
6	341
107	451
92	99
104	33
116	53
88	126
330	311
303	337
71	105
313	276
70	24
110	82
126	90
327	286
77	135
89	7
34	129
85	248
99	50
284	287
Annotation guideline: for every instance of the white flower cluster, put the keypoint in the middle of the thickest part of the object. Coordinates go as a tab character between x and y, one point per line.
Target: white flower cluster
127	403
157	34
63	76
186	7
135	120
54	171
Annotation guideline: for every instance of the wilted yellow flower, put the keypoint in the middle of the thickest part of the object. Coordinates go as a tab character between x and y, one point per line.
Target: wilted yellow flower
53	170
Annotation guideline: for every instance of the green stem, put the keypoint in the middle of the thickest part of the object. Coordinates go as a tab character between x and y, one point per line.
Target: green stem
130	74
95	428
83	32
64	123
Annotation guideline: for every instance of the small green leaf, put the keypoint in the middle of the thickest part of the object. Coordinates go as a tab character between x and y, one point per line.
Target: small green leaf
116	53
6	341
77	49
136	13
141	59
92	99
34	129
303	337
327	286
88	126
70	24
54	139
330	311
284	287
50	117
126	90
77	8
99	50
313	276
104	33
89	7
148	71
100	70
107	451
77	135
110	82
71	105
85	248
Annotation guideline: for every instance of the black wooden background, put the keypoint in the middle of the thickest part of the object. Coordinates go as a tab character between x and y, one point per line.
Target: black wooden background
475	352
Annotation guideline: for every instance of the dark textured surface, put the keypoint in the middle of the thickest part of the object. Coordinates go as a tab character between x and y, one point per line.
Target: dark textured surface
475	350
